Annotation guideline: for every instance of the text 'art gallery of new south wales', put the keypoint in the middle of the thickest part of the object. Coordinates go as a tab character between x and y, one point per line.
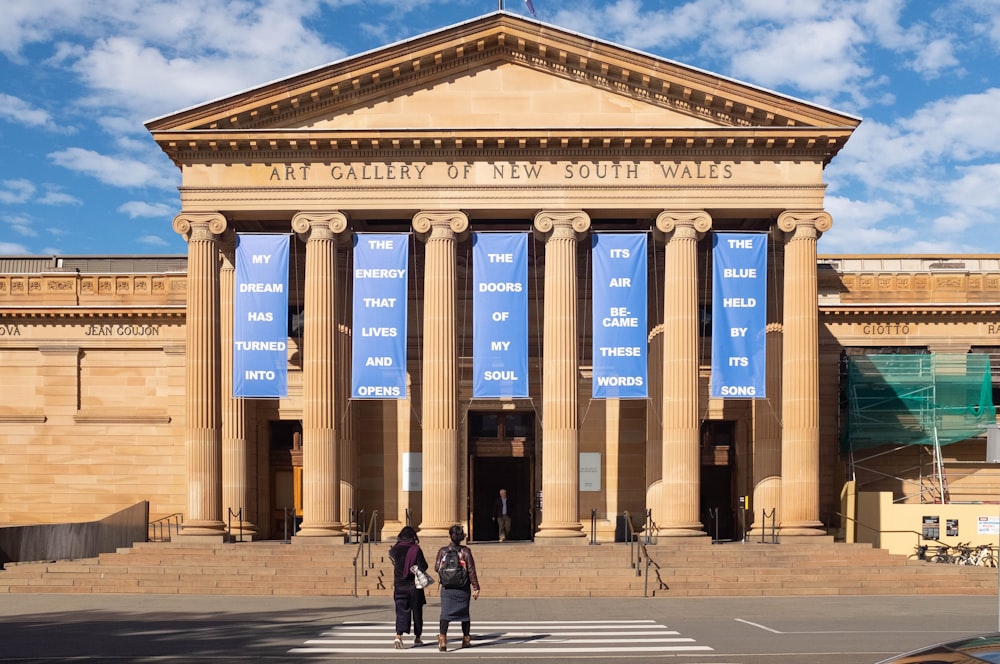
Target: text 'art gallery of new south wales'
502	255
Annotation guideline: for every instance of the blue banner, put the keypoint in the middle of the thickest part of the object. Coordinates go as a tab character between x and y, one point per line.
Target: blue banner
619	308
378	369
500	315
260	317
739	315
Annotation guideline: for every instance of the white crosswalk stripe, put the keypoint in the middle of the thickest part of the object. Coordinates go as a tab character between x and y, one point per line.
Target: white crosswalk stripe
513	637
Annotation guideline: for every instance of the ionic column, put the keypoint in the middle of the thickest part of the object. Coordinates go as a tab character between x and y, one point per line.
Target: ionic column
654	420
237	477
441	507
560	373
320	453
767	440
345	430
203	432
678	513
799	512
348	445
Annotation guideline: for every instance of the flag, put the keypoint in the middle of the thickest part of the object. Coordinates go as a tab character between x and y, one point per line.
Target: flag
531	8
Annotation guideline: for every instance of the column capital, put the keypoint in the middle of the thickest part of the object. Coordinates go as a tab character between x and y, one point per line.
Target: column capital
793	220
551	223
199	225
323	225
670	221
227	249
426	222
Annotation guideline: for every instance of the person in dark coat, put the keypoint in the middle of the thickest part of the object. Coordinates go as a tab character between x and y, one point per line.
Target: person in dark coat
501	514
409	599
455	601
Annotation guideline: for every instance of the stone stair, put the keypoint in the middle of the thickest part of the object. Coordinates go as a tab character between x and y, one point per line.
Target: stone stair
687	568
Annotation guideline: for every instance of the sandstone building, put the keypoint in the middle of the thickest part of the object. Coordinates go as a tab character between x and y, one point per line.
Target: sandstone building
118	370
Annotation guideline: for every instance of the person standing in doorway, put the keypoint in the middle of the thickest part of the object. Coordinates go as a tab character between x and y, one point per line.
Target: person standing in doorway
501	514
408	598
459	582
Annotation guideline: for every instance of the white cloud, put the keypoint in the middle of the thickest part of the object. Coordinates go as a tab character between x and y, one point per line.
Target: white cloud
136	209
153	241
12	249
16	191
172	58
978	188
864	226
18	111
20	224
117	171
55	197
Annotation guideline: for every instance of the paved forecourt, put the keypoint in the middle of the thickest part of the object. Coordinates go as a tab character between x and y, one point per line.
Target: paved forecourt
786	630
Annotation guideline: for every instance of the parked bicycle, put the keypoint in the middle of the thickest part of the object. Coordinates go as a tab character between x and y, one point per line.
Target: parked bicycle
960	554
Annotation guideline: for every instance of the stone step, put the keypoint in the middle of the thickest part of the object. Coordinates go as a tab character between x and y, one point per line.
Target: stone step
694	568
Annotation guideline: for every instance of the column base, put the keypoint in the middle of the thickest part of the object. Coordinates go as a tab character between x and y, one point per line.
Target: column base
676	532
212	530
428	530
689	529
321	530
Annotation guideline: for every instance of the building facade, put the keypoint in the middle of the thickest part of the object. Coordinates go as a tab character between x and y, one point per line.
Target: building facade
119	369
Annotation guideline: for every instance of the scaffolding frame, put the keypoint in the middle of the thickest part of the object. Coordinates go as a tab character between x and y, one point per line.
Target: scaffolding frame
918	399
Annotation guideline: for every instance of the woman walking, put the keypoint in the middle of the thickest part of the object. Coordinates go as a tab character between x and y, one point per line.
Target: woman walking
409	599
457	571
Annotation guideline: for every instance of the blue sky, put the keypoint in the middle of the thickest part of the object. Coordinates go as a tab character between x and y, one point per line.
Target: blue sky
79	174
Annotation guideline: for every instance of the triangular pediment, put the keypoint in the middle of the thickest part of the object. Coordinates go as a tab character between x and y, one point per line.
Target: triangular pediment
503	95
504	75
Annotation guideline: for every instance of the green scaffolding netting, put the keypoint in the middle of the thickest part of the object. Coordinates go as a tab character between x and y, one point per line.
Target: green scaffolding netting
929	399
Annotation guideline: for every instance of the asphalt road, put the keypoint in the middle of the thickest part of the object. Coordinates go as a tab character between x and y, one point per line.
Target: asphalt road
171	628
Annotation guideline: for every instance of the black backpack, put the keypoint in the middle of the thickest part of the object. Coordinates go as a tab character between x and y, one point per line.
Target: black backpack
453	573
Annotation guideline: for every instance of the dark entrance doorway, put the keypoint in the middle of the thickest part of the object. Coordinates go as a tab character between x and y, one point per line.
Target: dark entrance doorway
285	462
501	456
489	475
718	507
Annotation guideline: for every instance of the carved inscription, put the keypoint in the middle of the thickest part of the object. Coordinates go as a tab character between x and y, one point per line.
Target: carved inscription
353	173
885	329
117	330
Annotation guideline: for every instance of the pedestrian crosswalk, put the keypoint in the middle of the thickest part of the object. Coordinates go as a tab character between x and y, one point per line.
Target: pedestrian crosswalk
514	637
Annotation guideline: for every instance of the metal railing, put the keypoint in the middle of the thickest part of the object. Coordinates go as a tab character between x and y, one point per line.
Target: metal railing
639	553
239	519
764	515
159	530
365	541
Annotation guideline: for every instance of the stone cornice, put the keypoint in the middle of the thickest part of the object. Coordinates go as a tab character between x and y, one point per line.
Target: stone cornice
316	145
949	309
167	311
127	291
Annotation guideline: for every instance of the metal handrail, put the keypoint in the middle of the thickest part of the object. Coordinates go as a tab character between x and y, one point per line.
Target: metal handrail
638	550
367	539
631	543
157	526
